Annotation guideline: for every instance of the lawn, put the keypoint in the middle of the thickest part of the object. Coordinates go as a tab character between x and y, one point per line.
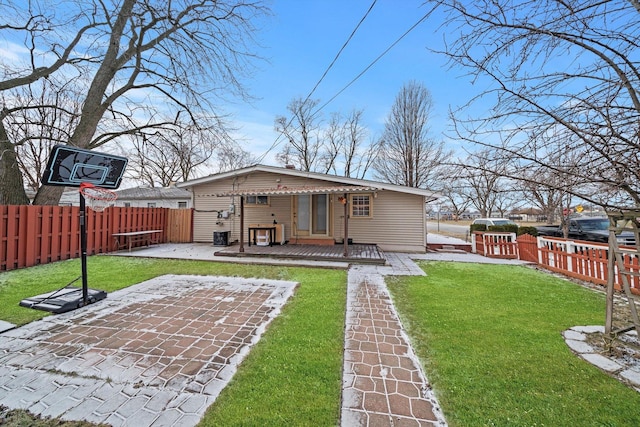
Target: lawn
291	377
490	339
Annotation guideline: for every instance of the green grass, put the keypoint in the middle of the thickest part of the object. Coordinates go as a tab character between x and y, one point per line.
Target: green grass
490	340
489	337
291	377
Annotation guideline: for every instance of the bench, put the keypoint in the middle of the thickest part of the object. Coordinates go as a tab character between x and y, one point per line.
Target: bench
131	238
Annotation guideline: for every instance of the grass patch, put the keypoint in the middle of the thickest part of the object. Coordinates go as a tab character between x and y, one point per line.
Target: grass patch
291	377
490	340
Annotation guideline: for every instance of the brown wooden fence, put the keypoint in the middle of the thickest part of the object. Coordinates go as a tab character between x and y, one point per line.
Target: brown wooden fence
582	260
179	226
586	261
495	244
31	235
527	248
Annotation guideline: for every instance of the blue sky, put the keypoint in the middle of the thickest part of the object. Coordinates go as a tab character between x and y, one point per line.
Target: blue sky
303	37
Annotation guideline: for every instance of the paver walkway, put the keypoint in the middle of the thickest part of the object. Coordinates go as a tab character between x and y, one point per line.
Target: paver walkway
383	383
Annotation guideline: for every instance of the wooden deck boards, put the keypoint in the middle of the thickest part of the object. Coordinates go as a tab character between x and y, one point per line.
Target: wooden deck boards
364	254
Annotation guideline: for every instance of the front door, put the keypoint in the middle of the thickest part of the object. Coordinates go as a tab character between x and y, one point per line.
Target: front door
312	215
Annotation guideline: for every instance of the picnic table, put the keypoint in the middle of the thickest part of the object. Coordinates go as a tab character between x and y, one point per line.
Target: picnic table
130	238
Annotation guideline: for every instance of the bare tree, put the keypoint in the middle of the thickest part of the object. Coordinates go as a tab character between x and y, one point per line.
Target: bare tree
483	181
407	155
334	140
543	192
358	158
344	144
561	74
301	131
136	55
170	155
46	113
233	156
454	193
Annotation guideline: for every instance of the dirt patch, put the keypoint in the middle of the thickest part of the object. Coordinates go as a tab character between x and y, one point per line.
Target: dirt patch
21	418
623	349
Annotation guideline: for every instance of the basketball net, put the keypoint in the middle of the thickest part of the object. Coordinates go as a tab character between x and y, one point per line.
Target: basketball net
96	198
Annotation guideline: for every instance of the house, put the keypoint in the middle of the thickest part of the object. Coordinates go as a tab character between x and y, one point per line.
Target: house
154	197
70	197
308	208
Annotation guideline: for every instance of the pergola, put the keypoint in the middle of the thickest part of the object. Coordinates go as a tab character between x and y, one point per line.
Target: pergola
298	191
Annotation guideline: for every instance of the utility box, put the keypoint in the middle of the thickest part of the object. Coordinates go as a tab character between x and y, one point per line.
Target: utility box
220	238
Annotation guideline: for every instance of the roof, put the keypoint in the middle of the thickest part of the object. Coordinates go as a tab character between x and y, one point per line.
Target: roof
347	183
153	193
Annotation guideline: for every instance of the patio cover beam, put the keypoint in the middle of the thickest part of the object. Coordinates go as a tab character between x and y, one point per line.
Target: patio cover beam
298	191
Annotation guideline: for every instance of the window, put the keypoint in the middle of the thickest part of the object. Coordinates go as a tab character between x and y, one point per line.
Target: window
151	205
182	205
127	204
360	206
256	200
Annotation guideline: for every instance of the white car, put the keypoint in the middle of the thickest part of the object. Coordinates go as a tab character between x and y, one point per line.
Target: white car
493	221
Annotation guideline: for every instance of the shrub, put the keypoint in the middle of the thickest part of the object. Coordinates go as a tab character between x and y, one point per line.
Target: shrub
478	227
528	230
510	228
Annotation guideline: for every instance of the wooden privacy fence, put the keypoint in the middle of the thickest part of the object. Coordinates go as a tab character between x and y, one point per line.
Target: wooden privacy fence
179	226
31	235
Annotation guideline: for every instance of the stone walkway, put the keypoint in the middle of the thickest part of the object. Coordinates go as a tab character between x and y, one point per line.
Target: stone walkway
383	383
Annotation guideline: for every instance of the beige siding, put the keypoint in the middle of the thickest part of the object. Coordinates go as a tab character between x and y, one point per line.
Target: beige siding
397	224
398	221
279	207
205	216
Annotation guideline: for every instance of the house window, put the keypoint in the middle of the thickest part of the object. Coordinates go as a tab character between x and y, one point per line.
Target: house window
182	205
361	206
151	205
127	204
256	200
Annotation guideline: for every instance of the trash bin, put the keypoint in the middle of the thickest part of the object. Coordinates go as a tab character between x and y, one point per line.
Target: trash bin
220	238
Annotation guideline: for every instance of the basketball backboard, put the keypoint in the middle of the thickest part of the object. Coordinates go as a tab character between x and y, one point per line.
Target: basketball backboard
71	166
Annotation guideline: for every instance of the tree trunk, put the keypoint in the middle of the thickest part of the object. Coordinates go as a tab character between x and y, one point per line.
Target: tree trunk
11	184
48	195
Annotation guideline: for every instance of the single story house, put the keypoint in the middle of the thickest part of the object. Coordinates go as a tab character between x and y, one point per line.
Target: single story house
154	197
308	208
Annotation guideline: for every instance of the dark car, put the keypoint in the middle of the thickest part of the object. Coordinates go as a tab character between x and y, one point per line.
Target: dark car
588	228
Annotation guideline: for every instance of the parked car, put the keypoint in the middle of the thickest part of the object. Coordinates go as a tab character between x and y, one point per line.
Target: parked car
590	229
493	221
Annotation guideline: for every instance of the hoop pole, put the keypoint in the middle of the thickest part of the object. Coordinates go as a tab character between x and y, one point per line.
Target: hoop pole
83	249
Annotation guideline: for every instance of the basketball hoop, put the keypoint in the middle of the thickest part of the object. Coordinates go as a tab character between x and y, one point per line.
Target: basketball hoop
97	199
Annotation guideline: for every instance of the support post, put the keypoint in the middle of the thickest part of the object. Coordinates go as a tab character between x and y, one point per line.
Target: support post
83	249
241	224
346	226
